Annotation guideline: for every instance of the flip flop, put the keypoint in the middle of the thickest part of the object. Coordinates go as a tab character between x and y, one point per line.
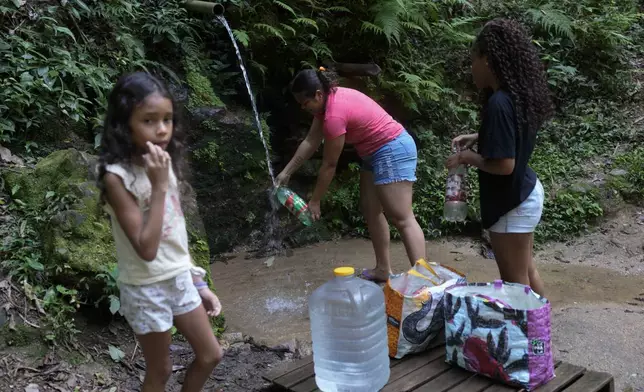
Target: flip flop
368	275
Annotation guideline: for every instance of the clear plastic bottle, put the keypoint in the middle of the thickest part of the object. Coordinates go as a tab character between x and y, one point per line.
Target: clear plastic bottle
295	204
349	333
455	208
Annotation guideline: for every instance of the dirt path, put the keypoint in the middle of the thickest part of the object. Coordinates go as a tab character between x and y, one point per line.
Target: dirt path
267	298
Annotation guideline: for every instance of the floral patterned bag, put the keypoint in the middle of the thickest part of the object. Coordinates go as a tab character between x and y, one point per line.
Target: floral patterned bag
414	304
500	330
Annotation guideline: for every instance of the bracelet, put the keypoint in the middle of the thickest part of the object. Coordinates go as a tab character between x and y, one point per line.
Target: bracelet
201	285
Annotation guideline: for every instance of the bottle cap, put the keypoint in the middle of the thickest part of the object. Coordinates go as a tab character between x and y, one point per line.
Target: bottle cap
344	271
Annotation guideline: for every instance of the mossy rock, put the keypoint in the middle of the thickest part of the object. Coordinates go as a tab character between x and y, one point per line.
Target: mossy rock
202	94
77	239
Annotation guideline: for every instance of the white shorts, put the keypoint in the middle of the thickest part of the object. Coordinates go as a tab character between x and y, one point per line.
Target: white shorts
524	218
152	307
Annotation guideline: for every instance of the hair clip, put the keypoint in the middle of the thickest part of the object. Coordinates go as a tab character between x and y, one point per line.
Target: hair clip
322	69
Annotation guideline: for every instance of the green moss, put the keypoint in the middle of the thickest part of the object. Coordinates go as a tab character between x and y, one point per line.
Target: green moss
200	252
78	239
60	172
208	154
202	94
22	336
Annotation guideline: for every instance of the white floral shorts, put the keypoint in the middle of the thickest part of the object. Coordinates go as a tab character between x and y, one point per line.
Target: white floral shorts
152	307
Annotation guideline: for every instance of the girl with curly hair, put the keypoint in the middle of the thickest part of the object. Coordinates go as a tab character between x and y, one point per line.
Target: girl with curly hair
139	174
516	103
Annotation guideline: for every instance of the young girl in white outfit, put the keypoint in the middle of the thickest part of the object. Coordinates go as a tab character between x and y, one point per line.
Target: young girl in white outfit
140	161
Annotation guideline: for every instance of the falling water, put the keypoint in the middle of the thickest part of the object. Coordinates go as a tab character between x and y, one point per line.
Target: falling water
271	243
252	97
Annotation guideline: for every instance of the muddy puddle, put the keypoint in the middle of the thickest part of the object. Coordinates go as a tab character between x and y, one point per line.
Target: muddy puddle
270	302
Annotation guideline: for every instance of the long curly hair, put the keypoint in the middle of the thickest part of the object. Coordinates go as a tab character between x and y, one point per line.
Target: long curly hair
116	142
514	61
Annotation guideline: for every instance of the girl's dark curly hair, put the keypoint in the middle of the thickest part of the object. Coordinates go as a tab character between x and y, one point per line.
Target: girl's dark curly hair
116	142
514	61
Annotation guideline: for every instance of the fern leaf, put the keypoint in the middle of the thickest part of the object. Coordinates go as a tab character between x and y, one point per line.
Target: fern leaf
271	30
552	20
288	28
306	21
418	18
242	37
387	17
372	28
285	6
339	9
412	26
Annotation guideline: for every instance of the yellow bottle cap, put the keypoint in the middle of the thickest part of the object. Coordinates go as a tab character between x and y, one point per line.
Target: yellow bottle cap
344	271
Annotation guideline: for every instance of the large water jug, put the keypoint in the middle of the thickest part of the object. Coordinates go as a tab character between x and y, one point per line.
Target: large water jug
349	333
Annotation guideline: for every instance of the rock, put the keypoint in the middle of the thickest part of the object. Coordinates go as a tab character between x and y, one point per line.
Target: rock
202	94
78	238
581	187
6	156
32	388
298	348
233	337
618	172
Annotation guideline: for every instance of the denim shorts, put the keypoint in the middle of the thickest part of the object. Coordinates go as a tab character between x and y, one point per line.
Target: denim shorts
524	218
394	162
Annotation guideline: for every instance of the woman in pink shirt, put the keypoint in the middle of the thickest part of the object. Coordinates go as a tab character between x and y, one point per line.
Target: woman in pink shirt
388	153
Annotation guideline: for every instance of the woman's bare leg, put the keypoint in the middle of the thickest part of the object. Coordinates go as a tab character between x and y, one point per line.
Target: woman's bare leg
376	224
396	200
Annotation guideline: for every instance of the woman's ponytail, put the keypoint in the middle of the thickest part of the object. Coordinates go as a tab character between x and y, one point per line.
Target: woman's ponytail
328	79
309	81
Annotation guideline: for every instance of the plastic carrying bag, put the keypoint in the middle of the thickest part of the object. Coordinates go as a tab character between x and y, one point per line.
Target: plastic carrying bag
501	330
414	305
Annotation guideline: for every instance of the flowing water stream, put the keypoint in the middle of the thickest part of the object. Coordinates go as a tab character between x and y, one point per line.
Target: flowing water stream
272	244
252	97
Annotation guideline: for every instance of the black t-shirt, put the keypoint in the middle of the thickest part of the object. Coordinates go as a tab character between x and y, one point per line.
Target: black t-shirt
499	138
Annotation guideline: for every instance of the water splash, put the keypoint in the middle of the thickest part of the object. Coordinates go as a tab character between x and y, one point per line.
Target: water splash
224	22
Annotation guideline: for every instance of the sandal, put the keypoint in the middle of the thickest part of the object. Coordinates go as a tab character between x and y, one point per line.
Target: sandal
366	274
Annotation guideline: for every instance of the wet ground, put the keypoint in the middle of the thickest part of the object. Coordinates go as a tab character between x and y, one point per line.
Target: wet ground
595	285
258	299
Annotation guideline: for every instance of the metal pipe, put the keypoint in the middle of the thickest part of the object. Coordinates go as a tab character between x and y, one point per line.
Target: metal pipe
205	7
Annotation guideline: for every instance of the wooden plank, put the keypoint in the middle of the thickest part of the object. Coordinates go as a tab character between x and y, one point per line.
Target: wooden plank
307	385
414	362
404	366
418	377
593	382
445	381
568	376
295	377
289	367
565	374
501	388
473	384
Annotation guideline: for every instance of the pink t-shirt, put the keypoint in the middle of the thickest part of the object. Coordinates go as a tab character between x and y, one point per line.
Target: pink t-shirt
366	124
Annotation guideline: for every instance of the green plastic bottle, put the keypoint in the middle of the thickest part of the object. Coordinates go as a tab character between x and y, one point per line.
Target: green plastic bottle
295	204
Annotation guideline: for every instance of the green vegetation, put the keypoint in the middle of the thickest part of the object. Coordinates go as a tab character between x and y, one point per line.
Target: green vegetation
59	60
628	175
